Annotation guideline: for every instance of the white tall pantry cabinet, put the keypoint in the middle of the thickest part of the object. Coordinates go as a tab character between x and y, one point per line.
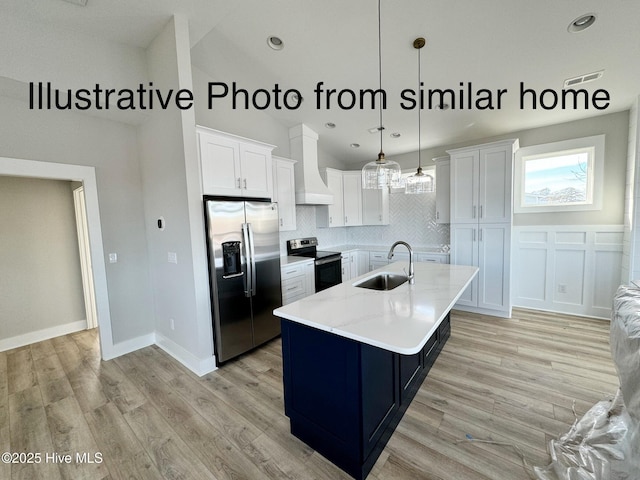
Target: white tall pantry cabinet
481	216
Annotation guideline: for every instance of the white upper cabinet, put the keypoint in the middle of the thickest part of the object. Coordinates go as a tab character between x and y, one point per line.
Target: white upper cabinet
481	183
332	215
443	188
234	166
284	192
352	198
352	205
375	206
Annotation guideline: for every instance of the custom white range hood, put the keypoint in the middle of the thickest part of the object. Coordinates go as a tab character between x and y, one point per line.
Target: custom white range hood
310	189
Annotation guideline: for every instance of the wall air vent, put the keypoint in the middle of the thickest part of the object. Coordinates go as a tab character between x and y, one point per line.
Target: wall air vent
579	80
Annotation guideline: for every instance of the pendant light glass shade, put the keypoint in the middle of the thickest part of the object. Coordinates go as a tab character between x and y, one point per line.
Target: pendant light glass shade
419	182
381	173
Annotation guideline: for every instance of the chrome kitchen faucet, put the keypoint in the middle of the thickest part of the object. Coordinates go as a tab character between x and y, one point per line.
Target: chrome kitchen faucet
390	256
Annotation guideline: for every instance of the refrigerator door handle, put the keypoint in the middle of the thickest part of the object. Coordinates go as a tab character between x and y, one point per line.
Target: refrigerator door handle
252	256
248	283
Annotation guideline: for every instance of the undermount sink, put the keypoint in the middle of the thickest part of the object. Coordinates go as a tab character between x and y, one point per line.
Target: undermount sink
382	281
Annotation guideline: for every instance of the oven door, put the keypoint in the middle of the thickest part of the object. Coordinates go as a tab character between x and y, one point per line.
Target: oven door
328	272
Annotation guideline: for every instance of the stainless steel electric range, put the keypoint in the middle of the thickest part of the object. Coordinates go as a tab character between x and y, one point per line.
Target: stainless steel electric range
328	265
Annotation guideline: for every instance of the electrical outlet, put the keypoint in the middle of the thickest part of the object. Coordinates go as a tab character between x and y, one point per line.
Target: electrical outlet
172	257
113	258
562	288
172	324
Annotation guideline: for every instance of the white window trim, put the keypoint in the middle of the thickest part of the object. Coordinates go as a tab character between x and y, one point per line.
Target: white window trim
596	141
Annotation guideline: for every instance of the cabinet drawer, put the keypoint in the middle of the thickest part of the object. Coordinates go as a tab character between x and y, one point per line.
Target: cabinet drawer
292	288
291	271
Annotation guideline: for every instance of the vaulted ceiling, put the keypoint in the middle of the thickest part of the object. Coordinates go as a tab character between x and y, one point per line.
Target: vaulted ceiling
472	47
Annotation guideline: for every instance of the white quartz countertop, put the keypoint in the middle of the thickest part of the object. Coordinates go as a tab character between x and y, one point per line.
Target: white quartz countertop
400	320
291	259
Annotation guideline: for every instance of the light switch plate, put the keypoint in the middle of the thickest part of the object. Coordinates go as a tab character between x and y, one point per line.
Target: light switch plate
113	258
172	257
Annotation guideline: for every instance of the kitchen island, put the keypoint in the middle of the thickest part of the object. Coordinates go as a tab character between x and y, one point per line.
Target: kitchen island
354	358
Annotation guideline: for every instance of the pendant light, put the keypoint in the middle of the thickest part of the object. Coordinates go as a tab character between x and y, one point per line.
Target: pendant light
381	173
419	182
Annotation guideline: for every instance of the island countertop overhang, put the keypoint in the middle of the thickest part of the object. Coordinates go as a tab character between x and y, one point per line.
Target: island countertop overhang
399	320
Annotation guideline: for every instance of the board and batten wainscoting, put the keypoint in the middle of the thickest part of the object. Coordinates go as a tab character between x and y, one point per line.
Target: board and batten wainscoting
567	269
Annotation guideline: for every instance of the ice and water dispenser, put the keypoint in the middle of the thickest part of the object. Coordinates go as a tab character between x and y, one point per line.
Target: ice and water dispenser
232	261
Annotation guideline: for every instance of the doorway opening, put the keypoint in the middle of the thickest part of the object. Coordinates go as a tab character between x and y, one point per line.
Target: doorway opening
94	248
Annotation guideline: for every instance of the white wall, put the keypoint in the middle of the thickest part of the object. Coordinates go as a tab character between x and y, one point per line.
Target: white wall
631	252
613	125
41	282
31	51
111	148
171	185
569	269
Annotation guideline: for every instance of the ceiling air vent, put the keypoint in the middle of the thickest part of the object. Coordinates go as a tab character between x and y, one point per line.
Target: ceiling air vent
579	80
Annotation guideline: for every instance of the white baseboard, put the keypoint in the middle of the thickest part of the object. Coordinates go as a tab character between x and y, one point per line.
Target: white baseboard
128	346
197	365
40	335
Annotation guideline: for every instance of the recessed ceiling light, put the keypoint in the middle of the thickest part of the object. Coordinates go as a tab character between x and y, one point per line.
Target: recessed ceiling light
395	135
355	145
275	42
582	23
330	125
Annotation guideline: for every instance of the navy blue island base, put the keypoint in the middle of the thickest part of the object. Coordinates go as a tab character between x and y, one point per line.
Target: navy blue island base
345	398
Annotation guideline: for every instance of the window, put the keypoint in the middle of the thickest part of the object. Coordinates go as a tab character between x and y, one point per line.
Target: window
560	176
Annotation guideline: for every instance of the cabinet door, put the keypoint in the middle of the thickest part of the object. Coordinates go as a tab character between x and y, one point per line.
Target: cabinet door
464	187
284	192
346	267
310	272
352	198
257	174
362	262
493	262
495	192
353	265
332	215
380	389
220	161
443	190
464	251
375	206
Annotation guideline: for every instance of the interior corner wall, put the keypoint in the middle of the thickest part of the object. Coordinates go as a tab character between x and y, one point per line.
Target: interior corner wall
257	125
631	245
41	282
168	153
110	147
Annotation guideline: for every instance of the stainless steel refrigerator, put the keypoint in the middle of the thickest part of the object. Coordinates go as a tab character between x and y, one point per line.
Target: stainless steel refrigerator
244	271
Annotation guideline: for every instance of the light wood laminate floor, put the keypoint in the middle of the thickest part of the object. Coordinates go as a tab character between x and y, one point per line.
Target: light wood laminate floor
512	381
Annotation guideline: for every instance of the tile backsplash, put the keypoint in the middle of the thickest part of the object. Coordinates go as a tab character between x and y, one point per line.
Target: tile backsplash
412	219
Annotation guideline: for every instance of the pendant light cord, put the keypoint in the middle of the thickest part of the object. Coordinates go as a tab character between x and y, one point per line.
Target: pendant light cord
419	113
380	66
